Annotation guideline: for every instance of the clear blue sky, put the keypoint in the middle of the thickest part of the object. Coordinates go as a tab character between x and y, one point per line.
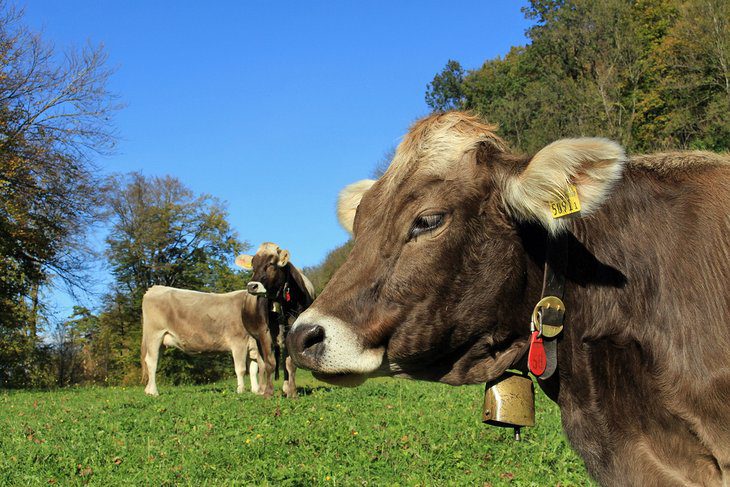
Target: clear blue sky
273	107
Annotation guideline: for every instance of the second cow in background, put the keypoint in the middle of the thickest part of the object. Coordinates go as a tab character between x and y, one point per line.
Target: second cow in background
287	289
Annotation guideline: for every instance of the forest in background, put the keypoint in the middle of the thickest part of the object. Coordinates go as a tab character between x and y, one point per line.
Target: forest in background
652	74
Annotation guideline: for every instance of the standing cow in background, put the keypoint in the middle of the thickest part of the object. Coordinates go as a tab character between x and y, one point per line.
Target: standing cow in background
193	322
290	292
452	247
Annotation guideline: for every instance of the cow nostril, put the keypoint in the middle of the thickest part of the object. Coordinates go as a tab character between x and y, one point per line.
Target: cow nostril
313	336
306	345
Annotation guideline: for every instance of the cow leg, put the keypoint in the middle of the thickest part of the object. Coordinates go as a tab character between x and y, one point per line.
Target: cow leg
290	368
266	352
252	364
253	371
277	351
153	343
239	364
290	386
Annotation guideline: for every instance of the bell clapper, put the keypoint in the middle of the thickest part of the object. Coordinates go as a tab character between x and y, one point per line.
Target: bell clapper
517	434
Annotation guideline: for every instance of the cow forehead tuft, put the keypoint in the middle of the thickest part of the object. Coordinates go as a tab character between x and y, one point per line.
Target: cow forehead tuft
268	248
435	143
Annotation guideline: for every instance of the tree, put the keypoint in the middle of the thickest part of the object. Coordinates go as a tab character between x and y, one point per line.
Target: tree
652	74
72	353
445	91
695	82
161	233
55	114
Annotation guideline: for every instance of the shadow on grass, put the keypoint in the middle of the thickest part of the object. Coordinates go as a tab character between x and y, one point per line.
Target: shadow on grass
307	390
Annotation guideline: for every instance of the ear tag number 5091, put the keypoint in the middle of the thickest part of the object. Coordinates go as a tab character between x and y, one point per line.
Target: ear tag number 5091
567	204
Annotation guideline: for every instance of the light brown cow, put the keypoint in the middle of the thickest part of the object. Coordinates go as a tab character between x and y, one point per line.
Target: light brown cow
205	322
448	261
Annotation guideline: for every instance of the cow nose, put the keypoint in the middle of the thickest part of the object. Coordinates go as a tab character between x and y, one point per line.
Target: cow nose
255	287
305	344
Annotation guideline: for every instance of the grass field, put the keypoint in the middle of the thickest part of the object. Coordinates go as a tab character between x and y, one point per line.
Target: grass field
386	432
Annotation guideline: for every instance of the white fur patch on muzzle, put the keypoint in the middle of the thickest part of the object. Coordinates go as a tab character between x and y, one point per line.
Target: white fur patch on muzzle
256	288
341	351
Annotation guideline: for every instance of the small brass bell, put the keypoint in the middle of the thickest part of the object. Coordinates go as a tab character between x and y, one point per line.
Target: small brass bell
510	402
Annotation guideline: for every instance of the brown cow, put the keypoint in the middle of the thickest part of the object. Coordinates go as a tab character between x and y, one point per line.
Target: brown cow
275	277
193	321
448	262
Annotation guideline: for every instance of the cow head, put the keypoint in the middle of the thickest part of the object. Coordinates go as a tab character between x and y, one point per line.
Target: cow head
438	267
269	269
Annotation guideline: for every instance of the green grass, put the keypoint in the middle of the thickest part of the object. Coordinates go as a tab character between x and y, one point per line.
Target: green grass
385	432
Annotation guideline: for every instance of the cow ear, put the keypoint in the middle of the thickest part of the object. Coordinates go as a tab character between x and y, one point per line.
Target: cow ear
283	258
349	200
244	261
591	165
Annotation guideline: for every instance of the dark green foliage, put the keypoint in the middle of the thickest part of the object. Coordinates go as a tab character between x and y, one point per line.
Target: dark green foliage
652	74
446	91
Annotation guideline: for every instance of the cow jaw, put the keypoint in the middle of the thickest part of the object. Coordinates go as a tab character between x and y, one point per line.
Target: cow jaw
327	346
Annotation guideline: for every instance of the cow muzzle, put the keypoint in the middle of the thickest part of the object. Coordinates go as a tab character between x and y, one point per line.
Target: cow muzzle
331	350
256	288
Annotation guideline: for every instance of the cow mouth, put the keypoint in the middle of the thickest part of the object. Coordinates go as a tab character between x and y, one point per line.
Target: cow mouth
331	350
341	379
352	379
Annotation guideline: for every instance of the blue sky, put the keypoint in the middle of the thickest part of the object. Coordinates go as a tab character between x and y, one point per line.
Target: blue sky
273	107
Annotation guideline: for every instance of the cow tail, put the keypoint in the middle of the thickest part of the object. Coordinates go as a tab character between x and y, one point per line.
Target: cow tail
143	354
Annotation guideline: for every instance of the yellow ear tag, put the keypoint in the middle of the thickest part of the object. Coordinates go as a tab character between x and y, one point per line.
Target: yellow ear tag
566	205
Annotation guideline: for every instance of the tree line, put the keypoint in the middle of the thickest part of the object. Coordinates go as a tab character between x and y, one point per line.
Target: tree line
652	74
56	114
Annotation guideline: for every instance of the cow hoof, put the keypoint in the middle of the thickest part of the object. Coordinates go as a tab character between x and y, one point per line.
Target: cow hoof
239	390
152	393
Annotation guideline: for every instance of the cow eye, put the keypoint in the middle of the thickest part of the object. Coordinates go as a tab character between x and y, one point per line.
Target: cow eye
425	223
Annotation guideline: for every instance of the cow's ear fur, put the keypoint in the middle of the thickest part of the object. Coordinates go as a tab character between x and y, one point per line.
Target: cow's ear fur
283	258
593	165
244	261
349	200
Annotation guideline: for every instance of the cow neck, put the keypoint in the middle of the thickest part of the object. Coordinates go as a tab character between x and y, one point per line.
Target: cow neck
262	305
549	314
556	263
288	287
509	400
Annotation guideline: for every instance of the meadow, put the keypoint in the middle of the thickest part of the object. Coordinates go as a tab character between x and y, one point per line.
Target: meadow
386	432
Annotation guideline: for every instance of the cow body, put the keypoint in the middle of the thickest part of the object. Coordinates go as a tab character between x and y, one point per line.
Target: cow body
448	262
206	322
277	279
644	382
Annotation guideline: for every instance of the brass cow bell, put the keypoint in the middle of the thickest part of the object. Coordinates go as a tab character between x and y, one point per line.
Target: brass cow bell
510	402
